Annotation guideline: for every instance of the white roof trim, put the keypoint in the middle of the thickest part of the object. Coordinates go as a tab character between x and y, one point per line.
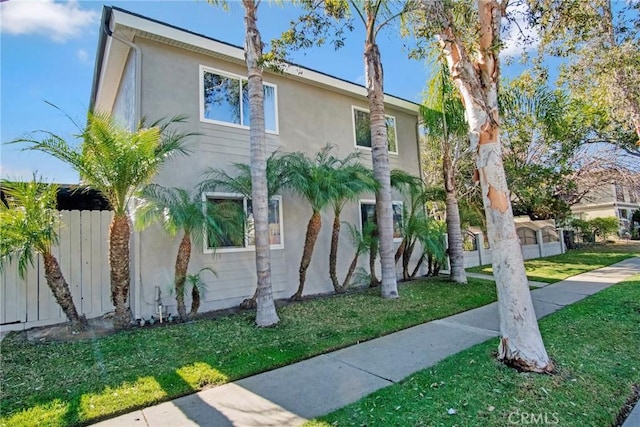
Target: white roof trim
234	53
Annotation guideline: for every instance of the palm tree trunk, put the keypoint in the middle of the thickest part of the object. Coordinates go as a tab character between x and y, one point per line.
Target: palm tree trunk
454	232
182	264
373	253
400	249
313	229
406	258
195	301
352	268
333	253
61	292
119	235
417	267
380	159
266	314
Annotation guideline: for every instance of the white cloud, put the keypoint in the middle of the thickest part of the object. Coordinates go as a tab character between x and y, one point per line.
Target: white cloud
518	37
83	56
59	21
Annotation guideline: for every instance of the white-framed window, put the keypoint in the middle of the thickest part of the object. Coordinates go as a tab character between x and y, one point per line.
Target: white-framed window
362	130
246	240
368	214
224	99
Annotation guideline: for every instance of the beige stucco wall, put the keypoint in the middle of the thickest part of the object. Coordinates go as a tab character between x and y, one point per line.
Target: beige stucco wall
309	117
124	104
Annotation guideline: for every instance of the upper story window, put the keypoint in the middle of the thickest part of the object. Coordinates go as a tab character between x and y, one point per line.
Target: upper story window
362	130
368	214
247	240
224	99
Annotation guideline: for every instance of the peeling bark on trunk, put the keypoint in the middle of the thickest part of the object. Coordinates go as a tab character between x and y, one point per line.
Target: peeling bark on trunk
454	233
477	81
313	229
380	160
266	314
119	236
182	264
61	292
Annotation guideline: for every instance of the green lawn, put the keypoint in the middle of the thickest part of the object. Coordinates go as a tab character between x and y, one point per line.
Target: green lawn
75	383
573	262
59	384
594	344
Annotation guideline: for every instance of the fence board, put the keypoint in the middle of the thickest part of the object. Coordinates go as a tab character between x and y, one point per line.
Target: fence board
86	286
10	280
105	220
74	274
96	242
31	304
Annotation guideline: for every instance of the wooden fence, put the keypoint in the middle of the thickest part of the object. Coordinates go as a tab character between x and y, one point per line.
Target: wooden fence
82	255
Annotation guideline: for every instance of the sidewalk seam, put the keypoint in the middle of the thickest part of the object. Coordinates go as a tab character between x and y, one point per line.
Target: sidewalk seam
484	331
358	368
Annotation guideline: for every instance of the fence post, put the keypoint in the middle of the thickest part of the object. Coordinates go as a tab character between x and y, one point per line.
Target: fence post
540	242
480	246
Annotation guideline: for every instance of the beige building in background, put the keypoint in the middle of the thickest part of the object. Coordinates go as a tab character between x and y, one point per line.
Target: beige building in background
146	68
610	200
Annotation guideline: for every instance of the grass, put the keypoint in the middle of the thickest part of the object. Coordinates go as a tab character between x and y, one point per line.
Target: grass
594	344
59	384
555	268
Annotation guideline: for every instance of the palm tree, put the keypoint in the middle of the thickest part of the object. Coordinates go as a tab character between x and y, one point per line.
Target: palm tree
29	226
240	182
350	180
116	162
444	122
360	241
416	226
179	210
313	179
327	21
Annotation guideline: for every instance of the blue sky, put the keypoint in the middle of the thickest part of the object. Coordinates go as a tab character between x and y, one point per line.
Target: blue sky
48	49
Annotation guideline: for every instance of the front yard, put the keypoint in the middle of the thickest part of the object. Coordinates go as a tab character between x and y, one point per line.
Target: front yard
50	384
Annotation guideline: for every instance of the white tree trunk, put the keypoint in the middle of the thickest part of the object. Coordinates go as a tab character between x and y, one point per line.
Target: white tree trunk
477	80
266	314
380	160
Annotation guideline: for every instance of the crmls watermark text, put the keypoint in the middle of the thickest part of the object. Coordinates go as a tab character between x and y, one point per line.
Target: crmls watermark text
531	418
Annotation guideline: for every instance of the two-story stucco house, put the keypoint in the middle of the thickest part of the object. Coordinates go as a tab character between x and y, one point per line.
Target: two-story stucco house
607	200
146	68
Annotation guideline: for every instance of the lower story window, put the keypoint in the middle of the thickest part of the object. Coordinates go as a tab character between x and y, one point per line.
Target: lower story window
246	238
368	214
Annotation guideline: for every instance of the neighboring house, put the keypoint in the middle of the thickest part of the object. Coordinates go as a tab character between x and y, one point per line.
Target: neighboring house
610	200
146	68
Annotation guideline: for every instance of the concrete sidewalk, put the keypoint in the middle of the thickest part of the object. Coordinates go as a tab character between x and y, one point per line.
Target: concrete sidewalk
290	395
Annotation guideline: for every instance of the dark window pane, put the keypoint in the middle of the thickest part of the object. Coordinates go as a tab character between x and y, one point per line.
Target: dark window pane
227	240
363	128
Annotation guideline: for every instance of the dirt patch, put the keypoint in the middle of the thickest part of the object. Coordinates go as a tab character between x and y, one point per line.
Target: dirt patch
98	327
103	326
